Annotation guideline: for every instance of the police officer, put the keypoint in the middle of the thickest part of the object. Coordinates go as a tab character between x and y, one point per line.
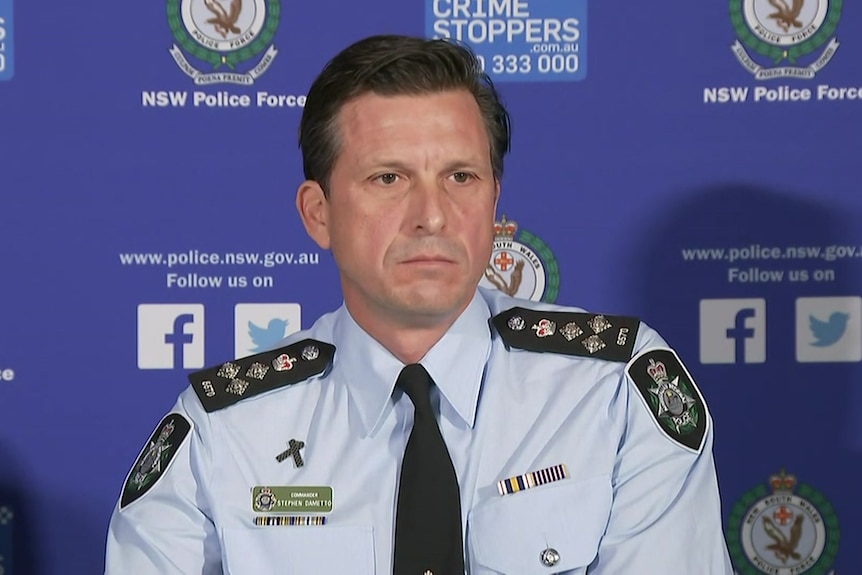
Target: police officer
570	442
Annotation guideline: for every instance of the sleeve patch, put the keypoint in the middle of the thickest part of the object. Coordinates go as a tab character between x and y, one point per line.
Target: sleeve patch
669	393
608	337
155	457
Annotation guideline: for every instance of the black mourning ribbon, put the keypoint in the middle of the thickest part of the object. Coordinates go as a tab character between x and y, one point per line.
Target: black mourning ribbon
428	518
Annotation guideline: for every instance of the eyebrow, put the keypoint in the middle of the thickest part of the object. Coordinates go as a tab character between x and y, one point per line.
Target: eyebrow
383	163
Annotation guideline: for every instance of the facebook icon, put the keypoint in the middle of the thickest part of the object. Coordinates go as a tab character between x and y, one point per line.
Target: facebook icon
733	330
170	336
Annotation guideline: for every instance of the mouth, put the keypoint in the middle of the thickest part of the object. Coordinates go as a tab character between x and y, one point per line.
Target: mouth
429	259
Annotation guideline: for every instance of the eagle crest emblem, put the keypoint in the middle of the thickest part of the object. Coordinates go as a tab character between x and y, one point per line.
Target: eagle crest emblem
214	38
774	37
225	20
783	527
787	17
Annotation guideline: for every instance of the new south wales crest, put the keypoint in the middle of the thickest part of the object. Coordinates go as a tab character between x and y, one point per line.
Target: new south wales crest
521	265
785	529
783	33
224	35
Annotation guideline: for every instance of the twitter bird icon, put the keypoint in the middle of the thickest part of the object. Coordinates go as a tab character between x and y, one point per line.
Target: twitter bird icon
838	338
267	338
828	332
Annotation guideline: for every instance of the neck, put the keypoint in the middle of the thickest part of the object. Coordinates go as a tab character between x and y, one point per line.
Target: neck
408	339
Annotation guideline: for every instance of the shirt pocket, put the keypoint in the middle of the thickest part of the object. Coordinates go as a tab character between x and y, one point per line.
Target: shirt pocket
510	534
322	550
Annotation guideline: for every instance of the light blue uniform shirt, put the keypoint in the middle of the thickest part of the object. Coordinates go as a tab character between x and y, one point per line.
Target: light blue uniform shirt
635	502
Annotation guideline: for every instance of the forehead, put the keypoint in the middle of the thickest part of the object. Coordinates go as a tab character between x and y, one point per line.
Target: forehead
374	122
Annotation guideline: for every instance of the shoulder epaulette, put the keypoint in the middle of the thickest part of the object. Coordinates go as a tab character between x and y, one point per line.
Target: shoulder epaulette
223	385
609	337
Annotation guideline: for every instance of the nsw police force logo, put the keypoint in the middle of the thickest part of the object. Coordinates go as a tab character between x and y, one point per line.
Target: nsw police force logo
521	265
783	32
225	34
790	531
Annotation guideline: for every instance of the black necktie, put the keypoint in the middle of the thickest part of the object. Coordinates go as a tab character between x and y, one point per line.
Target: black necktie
428	520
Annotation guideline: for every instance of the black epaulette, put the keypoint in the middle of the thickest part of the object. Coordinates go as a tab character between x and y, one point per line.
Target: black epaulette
226	384
609	337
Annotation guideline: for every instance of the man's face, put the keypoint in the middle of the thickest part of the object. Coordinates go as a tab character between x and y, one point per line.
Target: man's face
410	209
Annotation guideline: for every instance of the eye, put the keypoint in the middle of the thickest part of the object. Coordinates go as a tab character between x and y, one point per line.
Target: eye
462	177
388	179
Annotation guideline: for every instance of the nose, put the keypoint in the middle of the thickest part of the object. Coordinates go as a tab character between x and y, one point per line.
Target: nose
428	205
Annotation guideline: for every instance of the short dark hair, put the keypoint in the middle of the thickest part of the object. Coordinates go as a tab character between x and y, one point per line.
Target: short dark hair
392	65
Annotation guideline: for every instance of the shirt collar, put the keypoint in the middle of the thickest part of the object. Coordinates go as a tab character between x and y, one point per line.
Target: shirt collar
456	363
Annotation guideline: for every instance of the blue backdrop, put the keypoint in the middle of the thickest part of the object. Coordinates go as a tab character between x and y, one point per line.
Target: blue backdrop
695	164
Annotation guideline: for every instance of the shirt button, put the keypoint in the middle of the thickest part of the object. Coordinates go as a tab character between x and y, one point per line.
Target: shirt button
550	557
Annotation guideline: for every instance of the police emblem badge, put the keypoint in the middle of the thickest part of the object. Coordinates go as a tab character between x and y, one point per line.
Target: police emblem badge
670	394
155	458
786	528
784	31
265	500
224	34
521	264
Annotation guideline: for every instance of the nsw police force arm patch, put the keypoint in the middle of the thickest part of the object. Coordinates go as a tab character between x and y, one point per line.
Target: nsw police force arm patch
671	396
155	458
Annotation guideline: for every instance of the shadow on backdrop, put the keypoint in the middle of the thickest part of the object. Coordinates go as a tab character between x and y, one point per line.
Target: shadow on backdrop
780	413
40	515
17	544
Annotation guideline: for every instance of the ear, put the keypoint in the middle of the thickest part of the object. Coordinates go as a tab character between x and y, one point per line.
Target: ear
496	195
313	208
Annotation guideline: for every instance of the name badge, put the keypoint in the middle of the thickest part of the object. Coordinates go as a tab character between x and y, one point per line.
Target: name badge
292	499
